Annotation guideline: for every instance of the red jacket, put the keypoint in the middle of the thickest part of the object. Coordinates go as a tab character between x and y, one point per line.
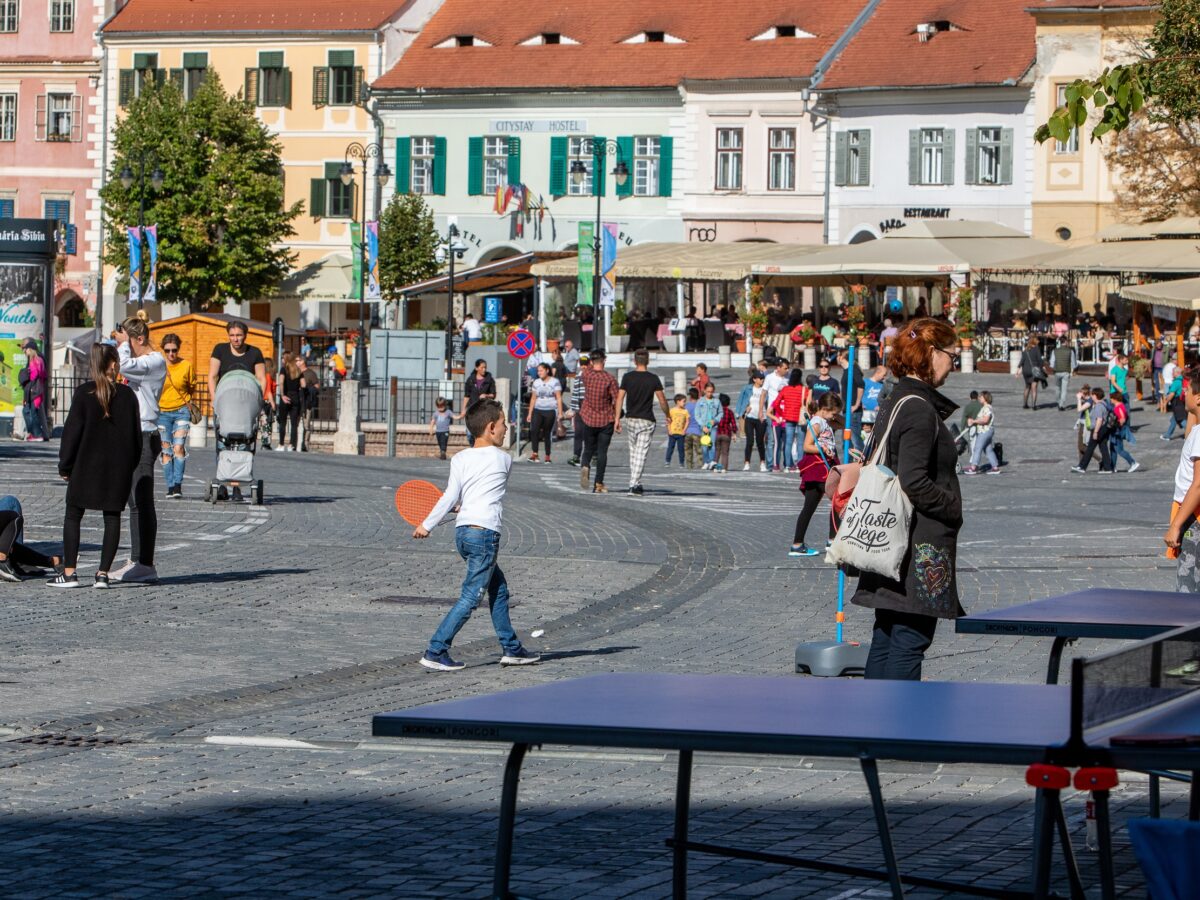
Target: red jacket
790	403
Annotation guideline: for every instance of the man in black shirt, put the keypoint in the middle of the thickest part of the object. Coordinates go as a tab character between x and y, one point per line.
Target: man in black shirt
237	354
639	389
853	390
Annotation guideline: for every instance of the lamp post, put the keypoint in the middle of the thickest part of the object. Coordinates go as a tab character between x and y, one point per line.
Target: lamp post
598	149
156	182
346	174
453	249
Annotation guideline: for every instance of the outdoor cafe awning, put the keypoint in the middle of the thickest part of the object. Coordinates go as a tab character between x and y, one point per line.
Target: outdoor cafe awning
1182	294
688	262
497	276
1106	260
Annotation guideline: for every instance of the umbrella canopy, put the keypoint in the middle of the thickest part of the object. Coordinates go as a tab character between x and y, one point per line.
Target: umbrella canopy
688	262
1183	294
1162	256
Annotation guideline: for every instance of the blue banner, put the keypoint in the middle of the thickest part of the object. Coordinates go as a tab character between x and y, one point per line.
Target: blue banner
135	263
608	265
151	233
373	291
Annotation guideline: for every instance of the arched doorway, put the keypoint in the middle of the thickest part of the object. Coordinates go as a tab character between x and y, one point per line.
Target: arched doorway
71	311
862	236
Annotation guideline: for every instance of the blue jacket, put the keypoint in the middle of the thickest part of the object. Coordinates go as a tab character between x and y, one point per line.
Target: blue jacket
743	400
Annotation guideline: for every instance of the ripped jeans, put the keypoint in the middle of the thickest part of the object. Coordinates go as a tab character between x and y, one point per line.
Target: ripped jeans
173	428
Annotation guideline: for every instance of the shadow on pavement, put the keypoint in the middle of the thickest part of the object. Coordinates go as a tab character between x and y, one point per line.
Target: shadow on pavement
599	651
228	577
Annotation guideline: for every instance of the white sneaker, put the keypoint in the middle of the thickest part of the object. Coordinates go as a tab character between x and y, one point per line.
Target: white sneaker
762	467
746	467
1135	467
135	574
121	572
279	449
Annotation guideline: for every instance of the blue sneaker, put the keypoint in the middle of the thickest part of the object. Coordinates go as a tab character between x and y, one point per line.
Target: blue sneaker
441	661
520	657
801	550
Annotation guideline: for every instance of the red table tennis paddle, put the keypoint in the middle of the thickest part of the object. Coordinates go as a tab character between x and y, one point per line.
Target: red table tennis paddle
415	500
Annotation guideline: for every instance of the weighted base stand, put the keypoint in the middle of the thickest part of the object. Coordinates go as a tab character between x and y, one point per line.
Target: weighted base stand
832	659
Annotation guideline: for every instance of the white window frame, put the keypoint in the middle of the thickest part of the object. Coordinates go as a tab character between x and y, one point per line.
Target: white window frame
62	16
647	163
421	176
580	149
781	159
10	16
8	116
933	148
730	159
64	112
987	154
1071	146
495	163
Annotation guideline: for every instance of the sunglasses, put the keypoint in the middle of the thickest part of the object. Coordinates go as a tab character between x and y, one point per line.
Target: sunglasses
170	349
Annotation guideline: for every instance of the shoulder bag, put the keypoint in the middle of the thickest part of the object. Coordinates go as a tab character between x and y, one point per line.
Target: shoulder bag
194	413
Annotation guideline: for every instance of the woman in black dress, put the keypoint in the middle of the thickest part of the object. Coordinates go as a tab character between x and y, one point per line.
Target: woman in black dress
101	446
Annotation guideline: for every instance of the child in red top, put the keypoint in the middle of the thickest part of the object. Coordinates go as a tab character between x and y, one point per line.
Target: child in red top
790	411
727	427
700	382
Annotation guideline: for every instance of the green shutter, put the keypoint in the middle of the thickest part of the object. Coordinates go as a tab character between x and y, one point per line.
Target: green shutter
439	166
599	159
1006	156
514	160
160	77
177	79
251	86
145	60
625	155
841	158
125	86
195	60
971	175
333	169
270	59
558	166
403	165
914	156
361	89
287	88
475	166
863	175
316	197
666	166
320	86
7	208
948	156
342	58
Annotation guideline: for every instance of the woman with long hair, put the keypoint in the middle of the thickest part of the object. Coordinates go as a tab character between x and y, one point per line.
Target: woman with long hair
175	414
545	406
291	402
101	447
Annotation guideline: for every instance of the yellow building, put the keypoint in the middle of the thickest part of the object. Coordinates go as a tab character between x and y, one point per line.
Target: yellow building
306	64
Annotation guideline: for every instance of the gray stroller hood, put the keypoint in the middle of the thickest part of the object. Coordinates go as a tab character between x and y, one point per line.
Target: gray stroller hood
237	403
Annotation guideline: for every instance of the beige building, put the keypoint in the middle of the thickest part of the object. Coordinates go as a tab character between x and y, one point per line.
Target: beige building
306	64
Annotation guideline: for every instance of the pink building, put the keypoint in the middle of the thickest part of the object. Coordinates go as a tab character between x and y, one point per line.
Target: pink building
50	133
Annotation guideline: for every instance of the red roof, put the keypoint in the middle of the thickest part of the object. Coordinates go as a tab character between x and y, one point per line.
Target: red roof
252	15
1089	5
717	43
990	42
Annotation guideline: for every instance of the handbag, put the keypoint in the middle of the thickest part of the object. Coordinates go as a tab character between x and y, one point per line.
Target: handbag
813	466
873	534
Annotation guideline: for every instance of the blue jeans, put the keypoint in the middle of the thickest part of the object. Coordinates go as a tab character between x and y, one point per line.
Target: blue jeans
480	548
710	450
791	430
856	440
674	441
1117	448
776	451
173	428
34	423
1172	424
983	445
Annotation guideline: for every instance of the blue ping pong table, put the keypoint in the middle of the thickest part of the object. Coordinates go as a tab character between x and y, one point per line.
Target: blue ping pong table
1093	613
941	722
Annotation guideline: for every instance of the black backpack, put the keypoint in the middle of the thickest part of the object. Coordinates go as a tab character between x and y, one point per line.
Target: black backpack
23	377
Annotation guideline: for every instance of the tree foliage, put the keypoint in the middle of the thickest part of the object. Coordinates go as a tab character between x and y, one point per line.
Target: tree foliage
1159	168
408	242
220	213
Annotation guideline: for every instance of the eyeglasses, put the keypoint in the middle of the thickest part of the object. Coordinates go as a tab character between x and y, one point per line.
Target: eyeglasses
953	354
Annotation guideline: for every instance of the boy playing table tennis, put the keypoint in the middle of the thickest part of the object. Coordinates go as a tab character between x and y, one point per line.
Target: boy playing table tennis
478	480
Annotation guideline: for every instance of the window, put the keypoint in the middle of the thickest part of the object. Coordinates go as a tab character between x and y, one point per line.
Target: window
62	15
931	155
647	160
10	12
271	83
987	156
60	210
1071	145
424	149
340	83
59	117
328	197
8	117
59	106
853	162
343	86
192	75
781	159
341	198
729	159
136	81
580	151
8	207
495	163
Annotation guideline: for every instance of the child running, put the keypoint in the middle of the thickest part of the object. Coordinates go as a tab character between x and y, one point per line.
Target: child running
478	480
439	425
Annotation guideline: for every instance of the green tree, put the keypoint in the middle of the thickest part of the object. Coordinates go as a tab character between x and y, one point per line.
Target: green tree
220	213
408	242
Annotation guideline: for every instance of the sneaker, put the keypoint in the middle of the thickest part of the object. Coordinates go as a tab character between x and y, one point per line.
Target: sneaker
1078	469
970	470
63	580
441	661
801	550
123	570
573	461
547	461
1188	667
636	490
441	456
1108	471
101	581
997	471
599	489
762	467
585	477
1134	467
135	573
237	494
520	657
1163	437
746	467
535	458
277	449
6	571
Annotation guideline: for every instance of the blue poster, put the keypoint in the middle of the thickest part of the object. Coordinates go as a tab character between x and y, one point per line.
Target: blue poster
491	310
135	263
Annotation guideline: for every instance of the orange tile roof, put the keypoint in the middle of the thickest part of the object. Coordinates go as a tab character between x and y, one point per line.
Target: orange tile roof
717	35
1089	5
995	45
252	15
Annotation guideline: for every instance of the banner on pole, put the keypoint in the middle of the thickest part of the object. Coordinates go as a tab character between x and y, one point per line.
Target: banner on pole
608	265
135	263
356	272
583	293
151	232
373	290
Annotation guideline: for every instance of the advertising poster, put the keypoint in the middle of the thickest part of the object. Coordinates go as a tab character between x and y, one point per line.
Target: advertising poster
583	295
608	266
22	315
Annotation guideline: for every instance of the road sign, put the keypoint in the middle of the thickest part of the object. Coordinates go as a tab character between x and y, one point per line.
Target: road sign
521	343
491	310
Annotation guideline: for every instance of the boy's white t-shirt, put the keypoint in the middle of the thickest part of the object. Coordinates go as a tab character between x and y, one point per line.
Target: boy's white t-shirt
1183	475
478	480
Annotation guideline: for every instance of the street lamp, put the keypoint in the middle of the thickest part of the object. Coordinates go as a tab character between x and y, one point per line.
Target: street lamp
156	182
598	149
346	174
453	249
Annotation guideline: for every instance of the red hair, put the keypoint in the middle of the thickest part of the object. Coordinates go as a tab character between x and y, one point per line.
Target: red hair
912	353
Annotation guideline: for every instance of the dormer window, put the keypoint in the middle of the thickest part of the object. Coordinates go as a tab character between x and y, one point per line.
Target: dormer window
462	40
548	37
654	37
783	31
551	38
927	30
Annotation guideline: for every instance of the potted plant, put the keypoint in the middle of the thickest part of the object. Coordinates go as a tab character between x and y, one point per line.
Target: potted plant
753	316
964	315
552	312
618	335
856	314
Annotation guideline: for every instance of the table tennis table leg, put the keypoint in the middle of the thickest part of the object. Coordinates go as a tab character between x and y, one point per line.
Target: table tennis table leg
683	799
1108	888
1043	841
508	816
1064	838
870	771
1194	798
1155	797
1056	652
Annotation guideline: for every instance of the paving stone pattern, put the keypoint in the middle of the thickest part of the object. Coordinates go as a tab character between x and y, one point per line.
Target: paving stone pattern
136	752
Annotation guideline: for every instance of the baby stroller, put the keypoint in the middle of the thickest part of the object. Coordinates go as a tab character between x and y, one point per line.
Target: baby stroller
236	406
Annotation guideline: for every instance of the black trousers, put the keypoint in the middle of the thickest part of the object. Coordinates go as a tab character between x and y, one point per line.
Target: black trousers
756	433
1106	462
112	535
898	645
577	436
595	445
541	429
289	412
143	520
10	527
813	492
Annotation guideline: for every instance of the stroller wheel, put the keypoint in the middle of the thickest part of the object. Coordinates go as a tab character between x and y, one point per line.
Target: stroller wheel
256	494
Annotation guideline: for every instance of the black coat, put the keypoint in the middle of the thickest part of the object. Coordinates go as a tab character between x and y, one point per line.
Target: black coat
97	454
921	452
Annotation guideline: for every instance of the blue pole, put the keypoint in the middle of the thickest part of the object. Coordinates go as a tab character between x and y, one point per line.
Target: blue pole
841	605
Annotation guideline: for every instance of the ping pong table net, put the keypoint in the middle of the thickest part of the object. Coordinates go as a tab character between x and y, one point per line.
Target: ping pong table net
1133	679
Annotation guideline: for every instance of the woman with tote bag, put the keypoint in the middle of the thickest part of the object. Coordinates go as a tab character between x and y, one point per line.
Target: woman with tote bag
920	450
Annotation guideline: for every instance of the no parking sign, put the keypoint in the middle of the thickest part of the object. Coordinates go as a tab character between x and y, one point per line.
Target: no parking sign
521	344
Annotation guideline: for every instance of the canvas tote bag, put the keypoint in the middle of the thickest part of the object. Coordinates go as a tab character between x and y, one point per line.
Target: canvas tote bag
873	535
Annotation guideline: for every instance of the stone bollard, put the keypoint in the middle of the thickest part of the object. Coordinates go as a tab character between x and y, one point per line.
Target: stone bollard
863	357
756	354
349	439
198	435
681	381
504	398
810	356
725	356
1014	362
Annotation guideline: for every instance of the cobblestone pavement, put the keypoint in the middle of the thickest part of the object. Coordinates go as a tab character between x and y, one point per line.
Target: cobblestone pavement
211	734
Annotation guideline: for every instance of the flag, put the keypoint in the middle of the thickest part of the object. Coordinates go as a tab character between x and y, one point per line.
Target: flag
373	292
356	270
496	206
608	265
135	263
583	290
151	232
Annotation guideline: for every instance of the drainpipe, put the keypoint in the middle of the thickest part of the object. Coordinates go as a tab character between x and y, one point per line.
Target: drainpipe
102	88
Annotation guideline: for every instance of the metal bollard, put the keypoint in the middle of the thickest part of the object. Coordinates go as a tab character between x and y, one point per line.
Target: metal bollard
391	418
